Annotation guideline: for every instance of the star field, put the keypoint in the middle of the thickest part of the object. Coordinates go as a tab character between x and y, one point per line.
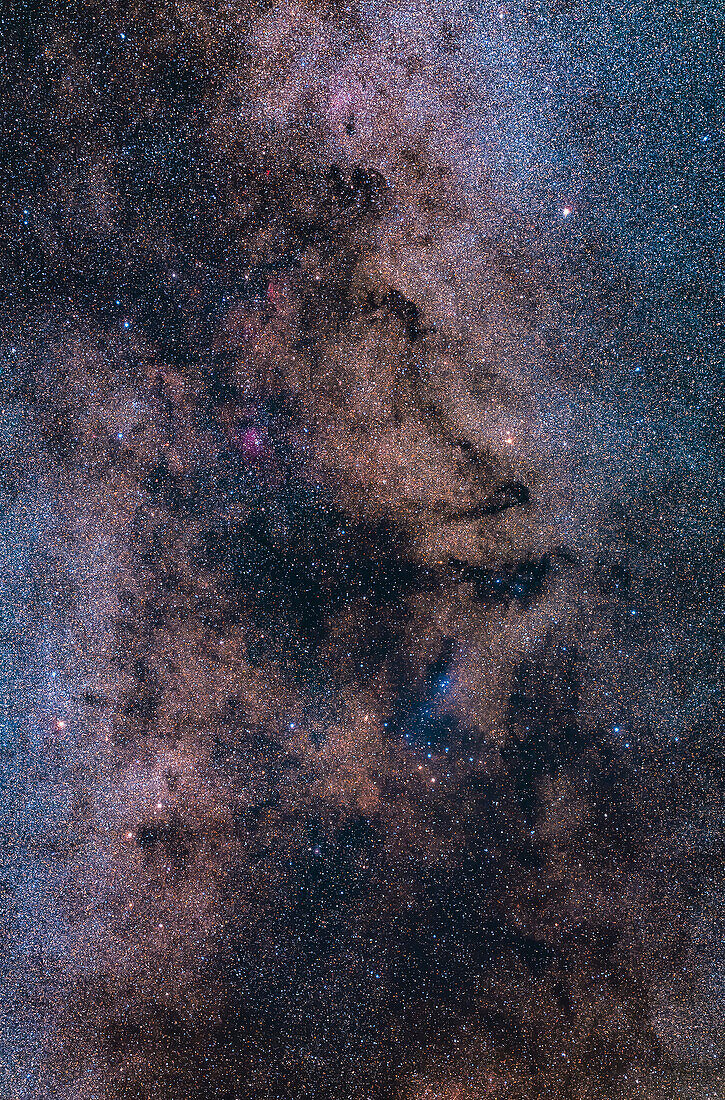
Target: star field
361	522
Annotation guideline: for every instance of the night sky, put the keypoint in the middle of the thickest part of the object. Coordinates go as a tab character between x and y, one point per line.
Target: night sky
361	514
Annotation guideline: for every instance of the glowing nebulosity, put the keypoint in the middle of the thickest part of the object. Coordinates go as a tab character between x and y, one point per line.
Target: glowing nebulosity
361	621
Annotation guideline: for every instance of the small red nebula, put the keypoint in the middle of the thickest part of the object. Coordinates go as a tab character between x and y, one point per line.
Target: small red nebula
251	443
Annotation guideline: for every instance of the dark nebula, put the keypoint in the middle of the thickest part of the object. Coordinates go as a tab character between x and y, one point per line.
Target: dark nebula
362	540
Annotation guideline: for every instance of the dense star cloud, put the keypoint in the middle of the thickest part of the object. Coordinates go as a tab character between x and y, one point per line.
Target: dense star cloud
361	520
